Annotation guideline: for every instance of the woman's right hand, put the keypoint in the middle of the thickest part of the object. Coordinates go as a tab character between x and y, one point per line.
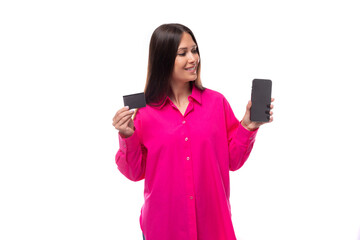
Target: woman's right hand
123	122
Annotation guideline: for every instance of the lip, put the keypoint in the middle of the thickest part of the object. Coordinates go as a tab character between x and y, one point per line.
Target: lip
193	69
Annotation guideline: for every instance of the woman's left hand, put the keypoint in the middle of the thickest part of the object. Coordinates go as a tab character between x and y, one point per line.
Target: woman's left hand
250	125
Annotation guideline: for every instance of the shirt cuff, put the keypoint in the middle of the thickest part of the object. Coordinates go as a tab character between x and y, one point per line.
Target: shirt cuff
130	143
246	134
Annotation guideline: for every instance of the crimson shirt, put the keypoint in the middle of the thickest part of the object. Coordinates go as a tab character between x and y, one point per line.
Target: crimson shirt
185	161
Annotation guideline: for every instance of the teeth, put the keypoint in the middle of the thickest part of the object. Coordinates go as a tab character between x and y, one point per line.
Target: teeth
191	68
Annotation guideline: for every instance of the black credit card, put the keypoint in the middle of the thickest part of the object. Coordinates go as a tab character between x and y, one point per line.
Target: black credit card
136	100
260	100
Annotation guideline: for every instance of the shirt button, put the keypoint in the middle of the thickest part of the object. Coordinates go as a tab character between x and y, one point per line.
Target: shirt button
188	158
183	122
186	139
191	197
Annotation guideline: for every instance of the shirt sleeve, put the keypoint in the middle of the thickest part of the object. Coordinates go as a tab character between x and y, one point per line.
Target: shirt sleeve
131	156
240	140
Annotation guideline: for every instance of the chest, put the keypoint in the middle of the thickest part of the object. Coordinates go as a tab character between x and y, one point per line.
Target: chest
169	127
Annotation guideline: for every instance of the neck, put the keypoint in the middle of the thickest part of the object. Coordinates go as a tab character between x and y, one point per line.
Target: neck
180	93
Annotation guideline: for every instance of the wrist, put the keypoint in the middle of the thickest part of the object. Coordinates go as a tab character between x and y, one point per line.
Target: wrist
122	135
248	126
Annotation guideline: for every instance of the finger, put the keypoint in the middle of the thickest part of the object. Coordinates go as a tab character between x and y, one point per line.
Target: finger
125	118
120	111
271	106
123	114
271	119
119	117
271	113
123	124
272	99
126	114
123	111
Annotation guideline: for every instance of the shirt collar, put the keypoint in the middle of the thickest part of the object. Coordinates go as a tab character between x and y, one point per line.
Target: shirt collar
195	94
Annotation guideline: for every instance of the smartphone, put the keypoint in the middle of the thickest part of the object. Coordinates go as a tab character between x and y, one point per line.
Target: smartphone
136	100
261	100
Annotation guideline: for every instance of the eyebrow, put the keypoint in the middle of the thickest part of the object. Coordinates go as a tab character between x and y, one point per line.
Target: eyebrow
184	48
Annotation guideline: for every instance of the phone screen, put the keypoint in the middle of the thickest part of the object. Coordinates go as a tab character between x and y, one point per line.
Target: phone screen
261	100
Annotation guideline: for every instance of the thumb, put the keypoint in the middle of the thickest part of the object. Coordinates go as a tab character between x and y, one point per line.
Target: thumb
127	122
248	106
131	123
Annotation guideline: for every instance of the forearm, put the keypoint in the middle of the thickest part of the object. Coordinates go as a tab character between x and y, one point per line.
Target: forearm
240	147
131	157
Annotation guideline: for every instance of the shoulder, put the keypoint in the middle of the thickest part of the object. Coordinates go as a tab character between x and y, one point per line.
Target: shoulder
213	95
216	100
145	112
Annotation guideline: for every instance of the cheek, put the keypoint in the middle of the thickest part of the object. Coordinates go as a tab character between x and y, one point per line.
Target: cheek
177	69
179	65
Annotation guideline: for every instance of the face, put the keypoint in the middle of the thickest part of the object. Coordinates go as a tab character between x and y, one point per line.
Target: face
186	61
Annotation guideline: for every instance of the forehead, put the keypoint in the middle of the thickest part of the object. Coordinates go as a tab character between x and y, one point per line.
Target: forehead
186	41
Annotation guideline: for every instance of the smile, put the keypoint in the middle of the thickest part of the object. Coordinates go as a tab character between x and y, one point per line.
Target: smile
190	69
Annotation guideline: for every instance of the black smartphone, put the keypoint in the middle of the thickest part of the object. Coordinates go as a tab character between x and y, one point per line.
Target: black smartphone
136	100
261	100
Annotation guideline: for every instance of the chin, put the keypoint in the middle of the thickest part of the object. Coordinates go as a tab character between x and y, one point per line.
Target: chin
193	78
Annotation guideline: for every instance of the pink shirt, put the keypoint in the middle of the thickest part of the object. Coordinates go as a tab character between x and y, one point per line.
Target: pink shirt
185	160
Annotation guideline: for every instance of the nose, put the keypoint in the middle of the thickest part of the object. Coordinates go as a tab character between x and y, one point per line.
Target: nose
192	57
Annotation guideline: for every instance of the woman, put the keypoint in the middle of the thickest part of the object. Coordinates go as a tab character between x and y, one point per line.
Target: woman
183	143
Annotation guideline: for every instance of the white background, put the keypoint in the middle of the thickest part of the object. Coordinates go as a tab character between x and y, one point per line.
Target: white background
64	66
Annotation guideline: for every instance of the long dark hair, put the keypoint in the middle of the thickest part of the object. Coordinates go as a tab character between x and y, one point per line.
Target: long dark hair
163	49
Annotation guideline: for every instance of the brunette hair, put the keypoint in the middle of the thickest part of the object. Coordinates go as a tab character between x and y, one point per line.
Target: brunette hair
163	49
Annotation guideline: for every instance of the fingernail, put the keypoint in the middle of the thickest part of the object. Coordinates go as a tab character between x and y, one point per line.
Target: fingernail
127	107
132	110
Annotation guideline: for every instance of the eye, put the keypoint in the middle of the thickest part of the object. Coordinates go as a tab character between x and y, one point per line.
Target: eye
181	54
194	50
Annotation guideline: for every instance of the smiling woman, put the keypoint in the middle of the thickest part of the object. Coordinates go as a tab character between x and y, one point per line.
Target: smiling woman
183	143
186	61
173	53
